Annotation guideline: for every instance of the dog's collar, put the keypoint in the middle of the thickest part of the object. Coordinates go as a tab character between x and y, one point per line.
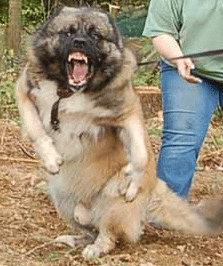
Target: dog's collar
62	93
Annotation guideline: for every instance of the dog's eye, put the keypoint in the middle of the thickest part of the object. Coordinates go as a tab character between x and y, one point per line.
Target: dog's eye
66	33
95	35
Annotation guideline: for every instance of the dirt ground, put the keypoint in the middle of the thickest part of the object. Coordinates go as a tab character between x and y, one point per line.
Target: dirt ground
29	222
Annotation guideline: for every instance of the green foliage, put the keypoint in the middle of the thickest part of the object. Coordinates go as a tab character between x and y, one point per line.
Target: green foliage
8	76
32	13
8	106
146	76
155	133
4	11
218	113
131	21
132	2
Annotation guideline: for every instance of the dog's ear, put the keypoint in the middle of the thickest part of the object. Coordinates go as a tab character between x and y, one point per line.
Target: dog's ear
135	45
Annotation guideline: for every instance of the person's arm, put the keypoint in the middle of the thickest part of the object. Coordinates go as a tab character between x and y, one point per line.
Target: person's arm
168	48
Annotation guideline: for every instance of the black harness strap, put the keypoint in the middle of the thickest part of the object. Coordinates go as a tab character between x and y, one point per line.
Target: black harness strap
54	115
62	93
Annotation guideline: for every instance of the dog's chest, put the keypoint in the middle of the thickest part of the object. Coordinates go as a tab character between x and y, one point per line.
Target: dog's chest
76	115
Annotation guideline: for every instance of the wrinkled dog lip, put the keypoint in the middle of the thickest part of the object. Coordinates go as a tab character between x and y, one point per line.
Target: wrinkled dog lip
80	69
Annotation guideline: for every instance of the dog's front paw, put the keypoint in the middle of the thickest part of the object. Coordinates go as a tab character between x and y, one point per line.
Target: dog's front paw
91	251
128	188
129	185
52	162
48	154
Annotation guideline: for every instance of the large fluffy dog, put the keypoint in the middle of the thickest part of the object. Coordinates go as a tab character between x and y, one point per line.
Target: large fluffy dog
84	118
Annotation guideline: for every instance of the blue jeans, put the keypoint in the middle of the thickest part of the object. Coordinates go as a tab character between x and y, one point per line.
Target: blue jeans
188	109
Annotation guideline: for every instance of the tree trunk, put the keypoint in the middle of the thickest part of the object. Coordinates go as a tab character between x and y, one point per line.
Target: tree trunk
13	31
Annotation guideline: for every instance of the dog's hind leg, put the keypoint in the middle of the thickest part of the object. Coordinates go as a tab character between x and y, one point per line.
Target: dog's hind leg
66	208
66	205
123	221
102	245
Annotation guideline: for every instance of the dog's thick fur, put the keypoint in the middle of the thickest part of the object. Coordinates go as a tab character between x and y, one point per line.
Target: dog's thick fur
101	168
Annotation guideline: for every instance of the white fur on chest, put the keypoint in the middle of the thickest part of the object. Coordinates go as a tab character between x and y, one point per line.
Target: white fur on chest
76	114
76	104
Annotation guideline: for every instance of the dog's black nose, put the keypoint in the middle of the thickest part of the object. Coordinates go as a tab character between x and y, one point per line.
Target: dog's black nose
79	41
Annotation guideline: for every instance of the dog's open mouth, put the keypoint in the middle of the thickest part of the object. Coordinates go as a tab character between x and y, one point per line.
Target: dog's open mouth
80	69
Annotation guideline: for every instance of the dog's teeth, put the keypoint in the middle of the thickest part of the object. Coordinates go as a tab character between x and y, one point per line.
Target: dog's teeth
78	57
86	59
70	58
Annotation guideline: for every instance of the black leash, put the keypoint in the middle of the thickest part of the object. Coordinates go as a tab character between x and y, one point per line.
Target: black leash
195	55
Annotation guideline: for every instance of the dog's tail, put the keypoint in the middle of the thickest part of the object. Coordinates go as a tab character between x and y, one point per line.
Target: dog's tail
170	211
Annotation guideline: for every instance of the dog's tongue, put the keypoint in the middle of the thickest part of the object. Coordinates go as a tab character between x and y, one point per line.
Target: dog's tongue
79	72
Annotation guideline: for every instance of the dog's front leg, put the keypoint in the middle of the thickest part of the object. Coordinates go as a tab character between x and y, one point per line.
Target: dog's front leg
43	144
133	137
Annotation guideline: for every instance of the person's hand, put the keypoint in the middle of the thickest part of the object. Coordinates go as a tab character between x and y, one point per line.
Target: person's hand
184	67
169	48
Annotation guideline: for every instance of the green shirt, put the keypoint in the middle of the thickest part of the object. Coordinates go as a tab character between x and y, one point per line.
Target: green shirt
196	24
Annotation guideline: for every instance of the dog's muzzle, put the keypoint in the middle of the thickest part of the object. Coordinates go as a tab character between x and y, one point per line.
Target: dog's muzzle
80	69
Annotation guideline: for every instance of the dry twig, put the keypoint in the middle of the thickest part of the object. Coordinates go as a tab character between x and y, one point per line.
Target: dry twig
18	160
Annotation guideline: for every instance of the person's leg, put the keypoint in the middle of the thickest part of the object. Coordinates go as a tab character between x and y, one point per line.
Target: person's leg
188	109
